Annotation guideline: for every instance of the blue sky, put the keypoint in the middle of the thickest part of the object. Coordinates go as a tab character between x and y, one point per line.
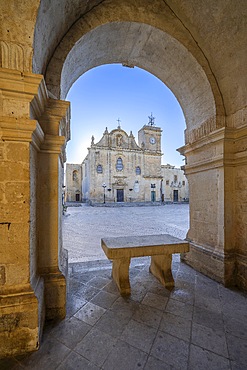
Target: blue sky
110	92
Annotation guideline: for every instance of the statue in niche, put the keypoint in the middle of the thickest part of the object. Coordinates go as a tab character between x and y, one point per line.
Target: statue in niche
119	140
75	176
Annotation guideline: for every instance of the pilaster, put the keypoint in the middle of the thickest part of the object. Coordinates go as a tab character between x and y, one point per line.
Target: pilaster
211	166
32	146
21	288
52	257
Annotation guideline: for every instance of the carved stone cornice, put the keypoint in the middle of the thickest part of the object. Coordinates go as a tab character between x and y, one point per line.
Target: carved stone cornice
210	125
25	96
224	147
17	130
238	119
24	87
202	141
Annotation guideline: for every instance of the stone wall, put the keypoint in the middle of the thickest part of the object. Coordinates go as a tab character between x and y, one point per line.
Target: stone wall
73	183
174	179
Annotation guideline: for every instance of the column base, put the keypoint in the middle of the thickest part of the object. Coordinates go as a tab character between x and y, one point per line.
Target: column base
21	320
55	295
241	278
55	288
218	266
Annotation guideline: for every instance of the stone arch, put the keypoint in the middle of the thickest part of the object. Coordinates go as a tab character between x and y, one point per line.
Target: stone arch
150	48
212	37
154	38
118	43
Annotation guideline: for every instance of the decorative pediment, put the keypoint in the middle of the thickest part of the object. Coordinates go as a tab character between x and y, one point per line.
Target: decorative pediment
118	139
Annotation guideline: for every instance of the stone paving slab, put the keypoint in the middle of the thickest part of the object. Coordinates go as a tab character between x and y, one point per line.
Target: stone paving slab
199	325
158	329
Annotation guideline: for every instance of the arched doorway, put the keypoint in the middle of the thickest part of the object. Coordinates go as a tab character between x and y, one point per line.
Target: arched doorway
130	43
176	44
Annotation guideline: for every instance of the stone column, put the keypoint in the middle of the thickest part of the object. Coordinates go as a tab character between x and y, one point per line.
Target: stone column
237	199
210	174
52	258
21	288
33	131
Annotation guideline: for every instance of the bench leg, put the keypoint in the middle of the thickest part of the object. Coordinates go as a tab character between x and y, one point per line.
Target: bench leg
160	267
120	274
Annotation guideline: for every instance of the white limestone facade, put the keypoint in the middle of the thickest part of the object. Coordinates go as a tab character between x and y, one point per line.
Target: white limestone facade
73	182
117	169
175	187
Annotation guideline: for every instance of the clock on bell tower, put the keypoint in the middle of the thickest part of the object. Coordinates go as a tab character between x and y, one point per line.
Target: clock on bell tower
149	136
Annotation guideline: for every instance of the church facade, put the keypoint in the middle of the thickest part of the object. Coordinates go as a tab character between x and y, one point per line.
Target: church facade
118	169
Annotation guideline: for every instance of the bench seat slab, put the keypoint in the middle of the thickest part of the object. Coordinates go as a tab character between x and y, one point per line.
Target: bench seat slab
160	247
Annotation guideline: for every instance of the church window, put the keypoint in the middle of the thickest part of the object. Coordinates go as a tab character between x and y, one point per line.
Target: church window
75	176
119	164
175	178
183	183
138	170
167	182
99	168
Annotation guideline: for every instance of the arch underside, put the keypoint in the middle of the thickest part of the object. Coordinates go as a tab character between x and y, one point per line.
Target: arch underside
214	34
135	44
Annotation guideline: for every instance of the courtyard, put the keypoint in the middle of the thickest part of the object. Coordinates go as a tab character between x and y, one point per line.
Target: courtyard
199	325
84	226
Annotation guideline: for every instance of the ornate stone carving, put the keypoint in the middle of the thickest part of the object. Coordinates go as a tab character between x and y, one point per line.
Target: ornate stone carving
237	119
15	56
210	125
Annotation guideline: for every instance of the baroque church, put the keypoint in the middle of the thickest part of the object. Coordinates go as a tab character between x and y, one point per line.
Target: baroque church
118	169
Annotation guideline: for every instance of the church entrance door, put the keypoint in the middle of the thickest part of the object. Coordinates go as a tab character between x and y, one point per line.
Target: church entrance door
175	195
153	196
120	195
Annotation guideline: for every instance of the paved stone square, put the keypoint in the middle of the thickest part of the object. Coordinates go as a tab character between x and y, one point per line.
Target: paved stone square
199	325
83	227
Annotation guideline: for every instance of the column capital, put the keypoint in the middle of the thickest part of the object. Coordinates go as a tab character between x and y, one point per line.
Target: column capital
52	144
19	90
25	130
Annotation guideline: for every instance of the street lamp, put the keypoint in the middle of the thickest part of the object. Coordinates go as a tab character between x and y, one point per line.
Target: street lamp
130	194
104	186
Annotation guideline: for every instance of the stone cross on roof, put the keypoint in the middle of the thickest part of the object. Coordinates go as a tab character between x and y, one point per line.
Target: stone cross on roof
118	121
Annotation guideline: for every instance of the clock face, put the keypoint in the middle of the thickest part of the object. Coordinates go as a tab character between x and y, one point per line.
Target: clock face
152	140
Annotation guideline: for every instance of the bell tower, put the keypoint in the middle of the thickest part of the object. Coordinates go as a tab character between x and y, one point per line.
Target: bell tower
149	136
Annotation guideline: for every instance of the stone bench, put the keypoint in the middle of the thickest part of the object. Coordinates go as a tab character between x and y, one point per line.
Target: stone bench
159	247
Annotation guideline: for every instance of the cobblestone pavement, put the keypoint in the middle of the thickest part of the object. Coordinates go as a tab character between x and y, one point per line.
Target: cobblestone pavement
83	227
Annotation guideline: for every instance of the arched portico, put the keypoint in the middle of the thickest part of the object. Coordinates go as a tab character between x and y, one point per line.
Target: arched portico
169	40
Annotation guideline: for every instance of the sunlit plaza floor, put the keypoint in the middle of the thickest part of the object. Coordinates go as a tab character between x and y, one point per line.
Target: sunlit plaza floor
83	227
198	325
